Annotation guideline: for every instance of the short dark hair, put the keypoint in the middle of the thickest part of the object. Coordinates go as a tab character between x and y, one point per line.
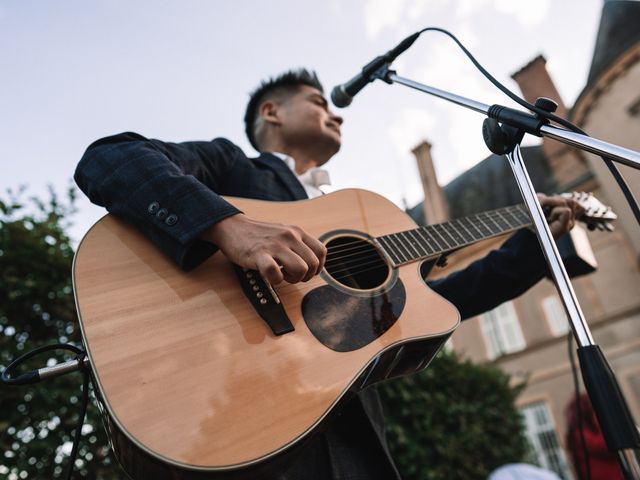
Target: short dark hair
289	82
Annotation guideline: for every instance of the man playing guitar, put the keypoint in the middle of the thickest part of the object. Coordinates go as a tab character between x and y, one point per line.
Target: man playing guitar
172	193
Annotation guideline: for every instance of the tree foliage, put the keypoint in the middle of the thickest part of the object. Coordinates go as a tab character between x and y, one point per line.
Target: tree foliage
455	420
37	308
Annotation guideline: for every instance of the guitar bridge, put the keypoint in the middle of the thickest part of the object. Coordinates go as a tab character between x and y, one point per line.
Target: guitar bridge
265	300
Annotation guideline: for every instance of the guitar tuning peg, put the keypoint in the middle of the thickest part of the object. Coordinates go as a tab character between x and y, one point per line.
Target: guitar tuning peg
608	227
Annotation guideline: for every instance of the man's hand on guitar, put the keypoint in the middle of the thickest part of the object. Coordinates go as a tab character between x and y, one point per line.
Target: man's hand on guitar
278	252
561	213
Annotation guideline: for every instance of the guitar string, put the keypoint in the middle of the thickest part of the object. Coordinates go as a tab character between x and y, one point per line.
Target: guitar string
341	262
376	265
376	260
332	257
516	212
447	227
372	256
379	261
301	288
363	245
365	250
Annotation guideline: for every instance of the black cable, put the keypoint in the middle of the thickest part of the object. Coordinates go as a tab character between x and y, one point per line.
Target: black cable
78	431
33	377
576	387
633	204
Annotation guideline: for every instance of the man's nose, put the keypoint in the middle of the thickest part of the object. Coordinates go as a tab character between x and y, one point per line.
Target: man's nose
336	118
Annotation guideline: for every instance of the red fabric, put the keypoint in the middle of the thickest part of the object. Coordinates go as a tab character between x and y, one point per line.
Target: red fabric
603	463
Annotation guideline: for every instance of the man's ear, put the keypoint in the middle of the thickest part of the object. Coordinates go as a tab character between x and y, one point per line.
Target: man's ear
270	112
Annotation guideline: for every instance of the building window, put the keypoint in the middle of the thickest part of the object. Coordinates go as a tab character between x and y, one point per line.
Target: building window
541	433
501	330
556	317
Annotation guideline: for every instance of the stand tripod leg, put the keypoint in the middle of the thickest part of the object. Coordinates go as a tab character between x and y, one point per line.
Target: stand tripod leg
548	244
610	406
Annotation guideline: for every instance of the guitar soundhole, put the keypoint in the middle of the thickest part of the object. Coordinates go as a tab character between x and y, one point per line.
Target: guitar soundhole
355	263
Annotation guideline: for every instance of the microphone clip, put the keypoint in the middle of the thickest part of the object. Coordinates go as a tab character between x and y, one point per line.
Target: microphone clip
500	138
383	73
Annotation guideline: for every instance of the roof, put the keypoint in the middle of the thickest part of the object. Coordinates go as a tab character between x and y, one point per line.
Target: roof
619	30
490	184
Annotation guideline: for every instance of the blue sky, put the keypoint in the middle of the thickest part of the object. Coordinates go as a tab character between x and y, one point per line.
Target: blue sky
74	71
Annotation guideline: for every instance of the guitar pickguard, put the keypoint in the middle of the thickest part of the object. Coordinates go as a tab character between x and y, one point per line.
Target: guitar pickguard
345	322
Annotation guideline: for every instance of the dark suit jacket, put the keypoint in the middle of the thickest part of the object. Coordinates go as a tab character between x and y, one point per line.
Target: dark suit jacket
171	193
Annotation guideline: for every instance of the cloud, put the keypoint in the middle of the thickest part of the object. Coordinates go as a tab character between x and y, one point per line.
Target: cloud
409	127
526	14
454	131
379	14
409	15
396	14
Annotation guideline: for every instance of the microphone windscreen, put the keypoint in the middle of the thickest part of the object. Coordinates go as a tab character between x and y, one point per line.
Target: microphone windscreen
339	97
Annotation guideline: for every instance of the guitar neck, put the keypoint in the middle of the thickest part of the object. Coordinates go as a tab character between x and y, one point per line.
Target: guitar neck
432	240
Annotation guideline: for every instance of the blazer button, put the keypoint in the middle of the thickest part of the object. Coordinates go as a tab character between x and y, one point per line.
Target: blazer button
153	208
171	219
162	214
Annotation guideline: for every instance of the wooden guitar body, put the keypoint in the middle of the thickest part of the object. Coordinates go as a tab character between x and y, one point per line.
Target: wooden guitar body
193	381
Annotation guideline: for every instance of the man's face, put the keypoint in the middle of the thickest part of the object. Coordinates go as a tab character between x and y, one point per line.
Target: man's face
308	123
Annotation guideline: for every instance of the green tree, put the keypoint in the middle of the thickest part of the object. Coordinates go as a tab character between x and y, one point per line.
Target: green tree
37	308
454	421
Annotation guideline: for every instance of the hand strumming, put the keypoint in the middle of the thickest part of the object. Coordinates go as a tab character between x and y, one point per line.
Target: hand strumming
278	252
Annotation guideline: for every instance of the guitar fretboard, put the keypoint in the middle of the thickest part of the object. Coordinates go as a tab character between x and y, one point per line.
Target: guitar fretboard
432	240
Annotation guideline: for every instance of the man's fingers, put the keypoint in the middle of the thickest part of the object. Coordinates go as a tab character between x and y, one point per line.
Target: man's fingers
319	250
562	213
560	220
577	209
294	268
553	201
269	269
279	252
314	253
309	258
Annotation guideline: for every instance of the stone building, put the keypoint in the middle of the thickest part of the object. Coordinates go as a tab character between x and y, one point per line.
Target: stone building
528	337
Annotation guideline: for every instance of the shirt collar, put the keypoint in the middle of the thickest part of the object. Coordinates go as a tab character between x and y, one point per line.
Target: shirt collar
314	177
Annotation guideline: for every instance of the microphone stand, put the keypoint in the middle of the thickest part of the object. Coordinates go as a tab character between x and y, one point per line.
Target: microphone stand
618	427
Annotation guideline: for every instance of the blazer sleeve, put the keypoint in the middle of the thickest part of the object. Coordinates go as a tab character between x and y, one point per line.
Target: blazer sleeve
166	190
500	276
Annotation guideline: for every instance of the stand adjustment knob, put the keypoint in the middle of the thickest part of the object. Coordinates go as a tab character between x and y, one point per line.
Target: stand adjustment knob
546	104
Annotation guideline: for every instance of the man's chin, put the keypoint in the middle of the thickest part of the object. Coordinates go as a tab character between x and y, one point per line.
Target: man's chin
328	152
336	147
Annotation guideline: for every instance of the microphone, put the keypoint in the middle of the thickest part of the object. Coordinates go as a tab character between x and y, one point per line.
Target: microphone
342	95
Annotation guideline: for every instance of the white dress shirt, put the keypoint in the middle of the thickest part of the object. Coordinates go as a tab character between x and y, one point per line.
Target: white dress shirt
311	179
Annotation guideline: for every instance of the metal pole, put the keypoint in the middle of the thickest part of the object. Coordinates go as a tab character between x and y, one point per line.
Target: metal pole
548	244
593	145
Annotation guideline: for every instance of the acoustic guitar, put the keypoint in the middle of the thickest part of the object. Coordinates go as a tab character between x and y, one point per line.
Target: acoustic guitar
215	373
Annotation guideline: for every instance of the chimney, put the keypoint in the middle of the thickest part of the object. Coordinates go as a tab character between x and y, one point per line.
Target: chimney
534	81
435	205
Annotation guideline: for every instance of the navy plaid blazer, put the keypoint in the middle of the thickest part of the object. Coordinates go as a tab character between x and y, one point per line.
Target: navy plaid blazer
171	192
